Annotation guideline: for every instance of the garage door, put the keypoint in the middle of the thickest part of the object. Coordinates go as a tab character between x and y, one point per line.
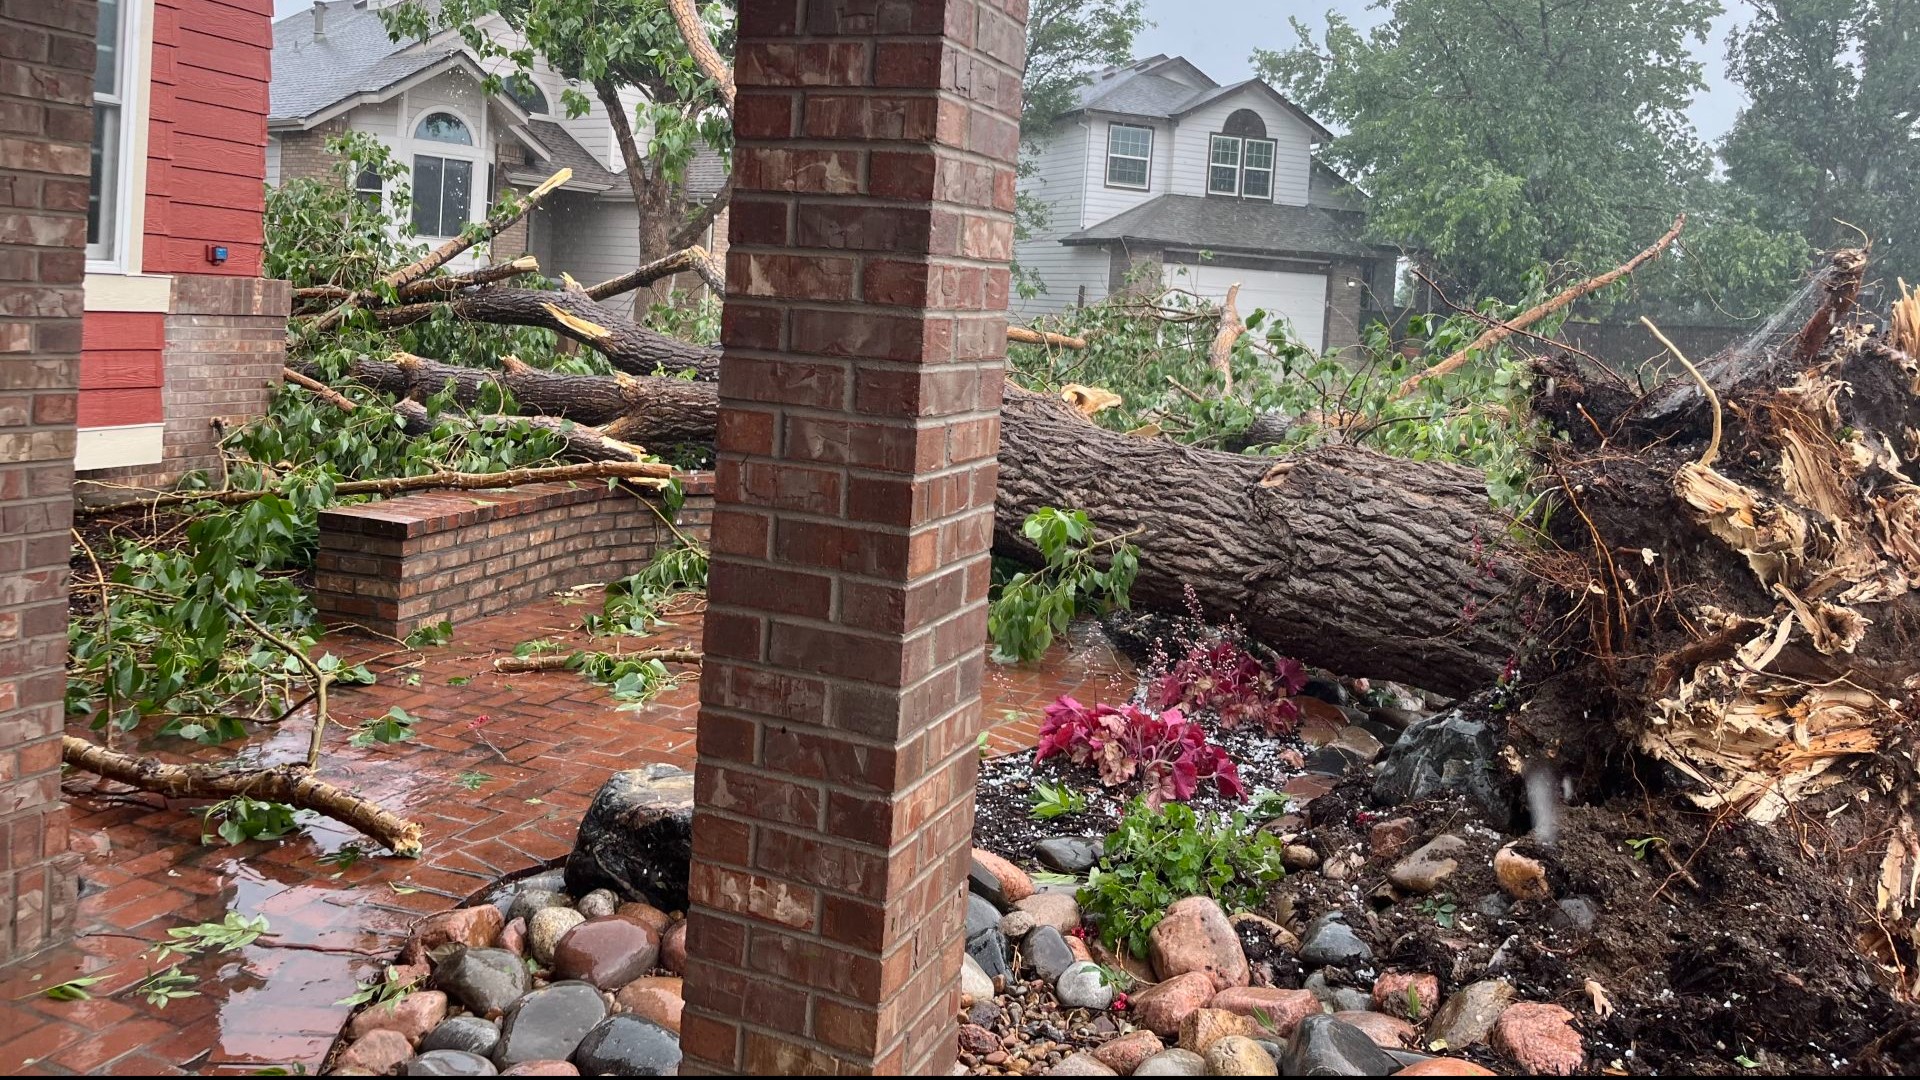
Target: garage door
1301	299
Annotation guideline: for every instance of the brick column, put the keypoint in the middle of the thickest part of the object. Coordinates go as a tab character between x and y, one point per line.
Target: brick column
46	120
865	333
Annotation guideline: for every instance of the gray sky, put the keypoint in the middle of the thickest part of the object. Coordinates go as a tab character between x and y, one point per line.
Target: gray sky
1220	35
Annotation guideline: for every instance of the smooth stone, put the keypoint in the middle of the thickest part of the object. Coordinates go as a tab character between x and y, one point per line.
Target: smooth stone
598	903
1540	1038
1173	1063
1048	953
475	927
1084	985
1424	870
1442	1066
546	928
983	885
1406	995
637	838
1056	909
608	952
450	1063
1015	925
474	1034
1299	857
628	1046
1521	877
553	880
1124	1054
1204	1027
1330	941
1238	1055
1389	838
1327	690
1069	854
1081	1064
981	914
1468	1015
541	1068
1196	936
989	950
975	983
1575	914
1015	884
548	1023
659	998
1282	1010
1160	1007
646	915
1387	1032
378	1054
1336	998
513	937
1323	1046
528	901
673	948
412	1016
486	981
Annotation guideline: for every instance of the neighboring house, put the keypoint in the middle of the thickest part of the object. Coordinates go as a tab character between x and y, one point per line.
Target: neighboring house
335	69
179	329
1161	176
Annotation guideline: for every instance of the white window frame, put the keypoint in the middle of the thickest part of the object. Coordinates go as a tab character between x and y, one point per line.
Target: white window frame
1273	165
1146	162
446	151
110	253
1214	143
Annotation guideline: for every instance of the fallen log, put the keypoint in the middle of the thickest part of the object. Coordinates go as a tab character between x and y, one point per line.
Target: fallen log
294	785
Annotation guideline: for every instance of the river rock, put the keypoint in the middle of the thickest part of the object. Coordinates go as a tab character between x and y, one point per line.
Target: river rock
1082	1064
1389	838
1048	953
1160	1008
1173	1063
981	914
637	837
474	1034
546	928
412	1016
1196	936
378	1053
1055	909
608	952
1468	1015
1084	985
1202	1028
486	981
475	927
1387	1032
1323	1046
1014	885
1069	854
628	1046
1237	1055
1521	876
673	948
1443	1066
989	949
646	915
975	984
541	1068
449	1063
1448	751
659	998
1298	857
1279	1011
1015	925
1574	915
1124	1054
1406	995
597	904
1424	870
1540	1038
527	902
513	937
548	1023
1330	941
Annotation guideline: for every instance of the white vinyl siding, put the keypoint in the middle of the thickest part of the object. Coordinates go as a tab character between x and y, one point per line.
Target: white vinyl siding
1300	299
592	239
1063	177
1129	156
1102	200
1292	152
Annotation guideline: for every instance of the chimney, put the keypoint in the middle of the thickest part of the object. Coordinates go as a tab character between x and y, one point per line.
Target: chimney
319	19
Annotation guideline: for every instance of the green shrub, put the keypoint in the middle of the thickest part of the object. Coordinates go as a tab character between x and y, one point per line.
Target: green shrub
1156	857
1033	607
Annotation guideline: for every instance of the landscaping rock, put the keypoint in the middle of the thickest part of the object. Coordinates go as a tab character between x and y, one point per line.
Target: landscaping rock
1407	996
1260	936
1283	1009
1448	751
1442	1066
1575	914
975	983
1424	870
646	915
1160	1008
989	950
513	937
1521	877
628	1046
1387	1032
1327	690
1083	985
1013	883
983	885
1047	951
1196	936
1054	909
541	1068
1081	1065
1015	925
1329	940
1389	838
659	998
1323	1046
1069	854
673	948
981	914
1468	1015
977	1040
1237	1055
1335	998
1124	1054
637	837
1173	1063
476	927
597	904
1299	857
528	901
1540	1038
549	1023
546	928
1202	1028
450	1063
609	952
378	1053
412	1016
486	981
474	1034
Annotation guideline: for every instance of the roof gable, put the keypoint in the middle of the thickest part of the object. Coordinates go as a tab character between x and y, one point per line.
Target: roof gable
1168	88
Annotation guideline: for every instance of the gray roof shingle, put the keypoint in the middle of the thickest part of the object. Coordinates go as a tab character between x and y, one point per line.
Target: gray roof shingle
354	56
1237	225
1139	90
567	153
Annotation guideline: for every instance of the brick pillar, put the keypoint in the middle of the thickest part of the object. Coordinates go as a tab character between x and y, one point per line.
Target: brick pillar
865	333
46	88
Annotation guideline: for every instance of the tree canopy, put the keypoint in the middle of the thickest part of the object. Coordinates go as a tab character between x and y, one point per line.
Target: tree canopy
1068	40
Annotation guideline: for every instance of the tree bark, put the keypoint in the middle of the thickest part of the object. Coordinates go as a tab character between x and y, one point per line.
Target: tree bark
627	345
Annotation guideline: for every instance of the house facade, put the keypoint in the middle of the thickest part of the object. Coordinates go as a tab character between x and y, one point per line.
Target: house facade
336	69
180	331
1161	177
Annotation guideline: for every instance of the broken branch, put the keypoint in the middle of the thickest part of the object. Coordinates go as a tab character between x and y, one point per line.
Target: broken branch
392	485
694	258
520	665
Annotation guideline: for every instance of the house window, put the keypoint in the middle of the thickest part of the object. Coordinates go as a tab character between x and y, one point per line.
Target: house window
368	186
106	195
443	127
1223	166
1256	179
522	89
1129	155
442	193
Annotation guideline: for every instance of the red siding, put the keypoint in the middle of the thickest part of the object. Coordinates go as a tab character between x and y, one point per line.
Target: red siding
120	368
207	137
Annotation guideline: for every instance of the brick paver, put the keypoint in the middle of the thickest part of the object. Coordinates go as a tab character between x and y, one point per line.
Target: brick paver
273	1004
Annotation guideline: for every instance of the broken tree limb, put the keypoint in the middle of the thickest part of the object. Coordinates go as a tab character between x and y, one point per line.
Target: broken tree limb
695	227
519	665
627	345
326	393
705	56
440	285
1027	336
1220	353
294	785
577	441
693	258
1495	335
639	471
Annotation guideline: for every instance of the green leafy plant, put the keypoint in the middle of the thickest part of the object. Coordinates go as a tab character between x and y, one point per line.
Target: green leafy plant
438	633
73	989
395	726
242	819
1414	1005
1056	800
471	780
1033	607
633	604
236	931
389	990
165	987
1442	909
1155	857
1268	804
1640	845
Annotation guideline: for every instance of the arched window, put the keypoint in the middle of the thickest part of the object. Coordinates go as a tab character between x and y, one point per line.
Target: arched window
1245	123
443	127
1240	160
523	90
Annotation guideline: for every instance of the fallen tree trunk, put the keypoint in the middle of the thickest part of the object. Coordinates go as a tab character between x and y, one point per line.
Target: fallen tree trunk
294	785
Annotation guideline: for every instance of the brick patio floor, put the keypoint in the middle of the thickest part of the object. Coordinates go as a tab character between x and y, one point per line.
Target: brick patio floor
554	739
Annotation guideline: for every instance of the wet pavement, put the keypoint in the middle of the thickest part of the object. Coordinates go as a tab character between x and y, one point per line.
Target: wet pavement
499	772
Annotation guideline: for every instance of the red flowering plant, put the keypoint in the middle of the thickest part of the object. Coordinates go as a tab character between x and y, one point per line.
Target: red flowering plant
1224	679
1168	751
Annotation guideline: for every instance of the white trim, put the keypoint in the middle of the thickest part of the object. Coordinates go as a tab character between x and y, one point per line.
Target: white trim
117	447
411	147
1239	162
129	292
1147	185
136	97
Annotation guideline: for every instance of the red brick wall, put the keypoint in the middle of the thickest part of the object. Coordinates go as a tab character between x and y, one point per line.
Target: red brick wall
403	563
46	76
844	639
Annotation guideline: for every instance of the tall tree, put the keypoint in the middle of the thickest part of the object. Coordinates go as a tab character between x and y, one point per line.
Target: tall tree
1828	147
610	46
1497	136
